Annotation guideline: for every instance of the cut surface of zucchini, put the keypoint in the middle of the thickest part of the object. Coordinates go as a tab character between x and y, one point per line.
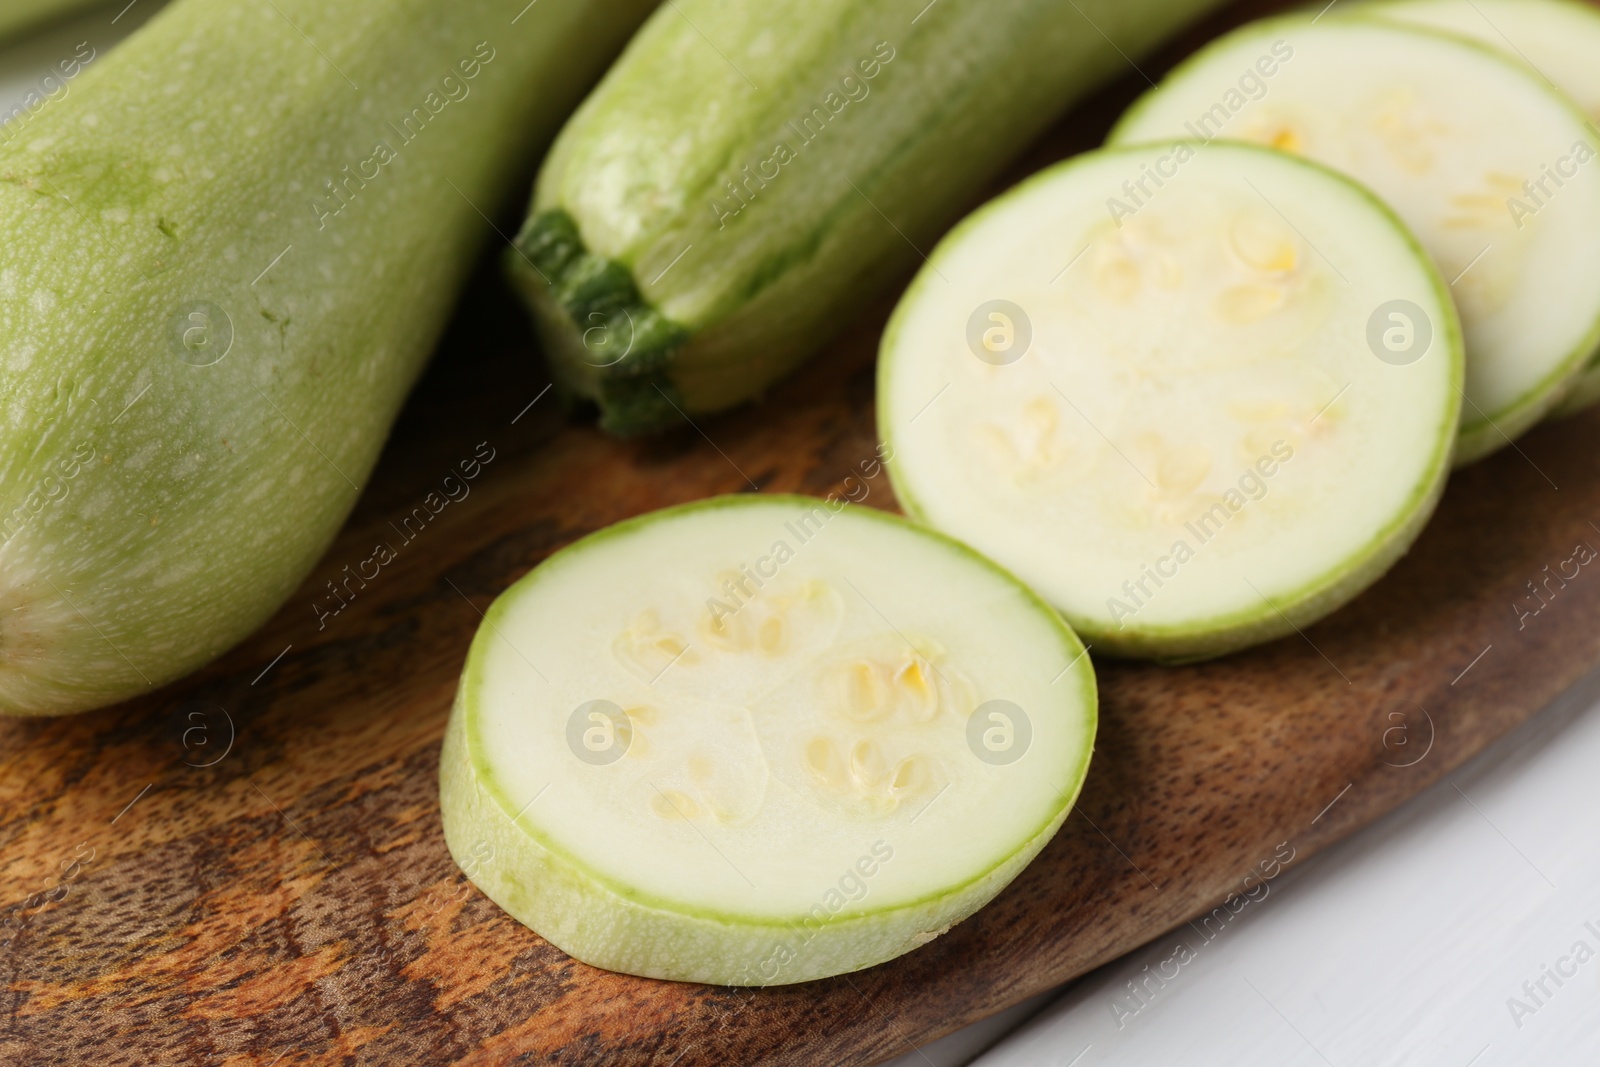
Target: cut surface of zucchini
761	739
1560	40
1489	165
1192	424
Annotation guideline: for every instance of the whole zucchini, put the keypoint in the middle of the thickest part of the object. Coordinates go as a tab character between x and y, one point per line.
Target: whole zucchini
748	174
227	255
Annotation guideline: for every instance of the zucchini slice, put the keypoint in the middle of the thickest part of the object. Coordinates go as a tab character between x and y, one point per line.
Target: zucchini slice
1193	424
750	174
1559	39
1492	167
811	743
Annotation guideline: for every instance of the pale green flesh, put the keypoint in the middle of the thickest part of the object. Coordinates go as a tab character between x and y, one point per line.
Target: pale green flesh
1198	376
1446	132
821	729
1560	40
158	511
953	95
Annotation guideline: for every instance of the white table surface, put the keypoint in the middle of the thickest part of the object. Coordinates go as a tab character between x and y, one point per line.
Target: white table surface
1403	945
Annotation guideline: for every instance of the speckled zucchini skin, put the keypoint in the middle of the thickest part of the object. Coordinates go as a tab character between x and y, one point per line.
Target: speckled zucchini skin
228	252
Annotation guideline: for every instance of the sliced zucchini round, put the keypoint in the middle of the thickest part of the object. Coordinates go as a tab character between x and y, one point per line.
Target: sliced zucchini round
1490	165
761	739
1560	40
1196	395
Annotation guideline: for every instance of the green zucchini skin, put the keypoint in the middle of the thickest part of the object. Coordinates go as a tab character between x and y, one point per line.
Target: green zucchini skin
747	176
153	511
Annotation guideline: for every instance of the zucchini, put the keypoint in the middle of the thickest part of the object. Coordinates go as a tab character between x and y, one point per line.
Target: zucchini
1559	39
813	743
1192	422
1453	136
748	175
228	252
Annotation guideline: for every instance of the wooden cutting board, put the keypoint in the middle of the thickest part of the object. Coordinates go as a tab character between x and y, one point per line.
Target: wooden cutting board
247	867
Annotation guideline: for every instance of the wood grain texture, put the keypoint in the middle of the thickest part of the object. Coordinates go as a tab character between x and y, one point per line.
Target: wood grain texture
292	902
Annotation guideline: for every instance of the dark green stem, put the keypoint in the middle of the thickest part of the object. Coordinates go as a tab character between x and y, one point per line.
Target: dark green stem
610	344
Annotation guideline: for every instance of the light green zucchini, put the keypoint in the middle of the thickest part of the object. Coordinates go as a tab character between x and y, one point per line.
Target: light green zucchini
1453	136
749	174
814	742
1192	419
227	254
1559	39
